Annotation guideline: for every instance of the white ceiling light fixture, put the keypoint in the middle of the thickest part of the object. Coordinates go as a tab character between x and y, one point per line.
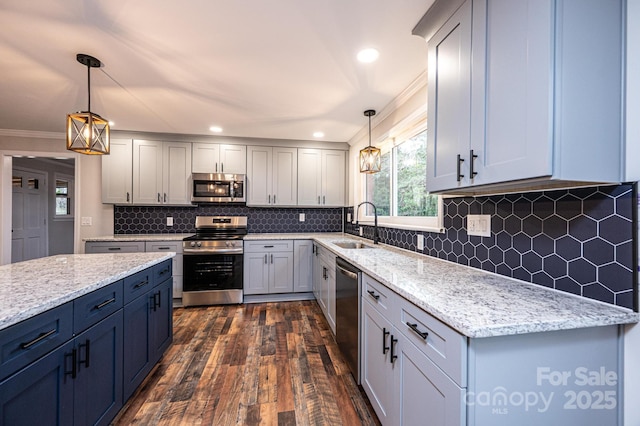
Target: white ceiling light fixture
368	55
370	157
318	134
215	129
87	132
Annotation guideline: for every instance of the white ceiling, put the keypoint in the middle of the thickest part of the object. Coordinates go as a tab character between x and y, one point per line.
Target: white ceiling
258	68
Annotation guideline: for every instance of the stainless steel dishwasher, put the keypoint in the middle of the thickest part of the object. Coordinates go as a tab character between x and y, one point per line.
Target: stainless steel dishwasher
348	314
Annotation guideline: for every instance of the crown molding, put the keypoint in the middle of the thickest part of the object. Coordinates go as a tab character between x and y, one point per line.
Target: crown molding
33	134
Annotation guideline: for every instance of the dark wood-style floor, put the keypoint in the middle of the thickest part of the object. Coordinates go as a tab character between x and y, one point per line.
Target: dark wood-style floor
267	364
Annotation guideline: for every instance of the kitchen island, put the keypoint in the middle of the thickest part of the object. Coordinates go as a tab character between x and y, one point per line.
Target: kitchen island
79	333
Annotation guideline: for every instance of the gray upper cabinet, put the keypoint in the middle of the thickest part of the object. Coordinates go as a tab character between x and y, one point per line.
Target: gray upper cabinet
117	173
321	177
272	176
219	158
535	87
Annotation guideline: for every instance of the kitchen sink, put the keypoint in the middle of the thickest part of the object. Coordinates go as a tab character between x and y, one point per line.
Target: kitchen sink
353	245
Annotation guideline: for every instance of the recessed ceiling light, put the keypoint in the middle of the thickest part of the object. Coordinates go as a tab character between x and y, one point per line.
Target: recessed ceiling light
215	129
318	134
368	55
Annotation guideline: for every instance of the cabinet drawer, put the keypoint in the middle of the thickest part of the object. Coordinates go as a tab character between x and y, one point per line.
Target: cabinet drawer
137	284
162	272
30	339
268	245
114	247
443	345
175	246
378	295
97	305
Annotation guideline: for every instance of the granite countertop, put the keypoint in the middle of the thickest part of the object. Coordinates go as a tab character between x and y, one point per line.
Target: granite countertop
474	302
138	237
32	287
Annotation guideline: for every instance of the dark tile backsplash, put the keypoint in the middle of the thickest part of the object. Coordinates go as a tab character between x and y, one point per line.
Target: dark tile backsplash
152	220
582	241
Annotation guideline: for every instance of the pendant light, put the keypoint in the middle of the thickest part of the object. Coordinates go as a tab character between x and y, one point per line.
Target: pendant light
370	156
87	132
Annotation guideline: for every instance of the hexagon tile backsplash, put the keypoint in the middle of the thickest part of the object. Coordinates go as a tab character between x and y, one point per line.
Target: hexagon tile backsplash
582	241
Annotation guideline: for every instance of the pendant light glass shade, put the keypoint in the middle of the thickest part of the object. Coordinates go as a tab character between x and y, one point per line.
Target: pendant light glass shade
370	156
87	132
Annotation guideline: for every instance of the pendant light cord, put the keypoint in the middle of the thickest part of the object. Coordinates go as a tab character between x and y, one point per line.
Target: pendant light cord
89	86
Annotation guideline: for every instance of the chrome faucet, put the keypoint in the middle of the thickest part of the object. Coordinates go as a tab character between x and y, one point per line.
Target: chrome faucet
376	237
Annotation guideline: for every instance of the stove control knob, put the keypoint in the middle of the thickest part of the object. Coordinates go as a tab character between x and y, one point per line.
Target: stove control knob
193	244
228	244
199	244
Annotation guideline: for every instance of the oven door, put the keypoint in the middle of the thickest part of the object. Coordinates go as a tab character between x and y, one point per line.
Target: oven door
204	272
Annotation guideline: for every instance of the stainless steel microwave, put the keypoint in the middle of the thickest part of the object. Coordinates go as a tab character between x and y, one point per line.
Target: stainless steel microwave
218	188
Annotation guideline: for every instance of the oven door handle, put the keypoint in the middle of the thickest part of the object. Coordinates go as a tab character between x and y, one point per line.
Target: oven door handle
216	251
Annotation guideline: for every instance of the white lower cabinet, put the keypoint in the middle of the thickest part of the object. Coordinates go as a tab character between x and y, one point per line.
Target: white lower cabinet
324	283
268	267
302	266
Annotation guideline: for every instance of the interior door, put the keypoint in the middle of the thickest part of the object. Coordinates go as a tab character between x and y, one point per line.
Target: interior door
29	226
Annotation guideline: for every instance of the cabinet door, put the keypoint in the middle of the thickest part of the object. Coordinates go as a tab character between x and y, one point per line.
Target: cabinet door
256	273
512	89
449	102
331	296
309	177
376	368
161	319
147	172
40	394
205	157
422	389
281	272
117	173
317	274
233	159
333	178
137	335
259	163
98	384
176	172
285	176
302	266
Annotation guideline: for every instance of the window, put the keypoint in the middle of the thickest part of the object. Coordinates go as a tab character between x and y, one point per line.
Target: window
63	192
399	190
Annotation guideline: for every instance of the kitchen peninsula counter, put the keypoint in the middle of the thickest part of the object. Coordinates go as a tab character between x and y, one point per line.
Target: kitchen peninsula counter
476	303
35	286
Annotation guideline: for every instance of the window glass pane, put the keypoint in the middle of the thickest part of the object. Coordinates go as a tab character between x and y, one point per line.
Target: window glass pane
32	183
379	188
62	206
62	187
411	172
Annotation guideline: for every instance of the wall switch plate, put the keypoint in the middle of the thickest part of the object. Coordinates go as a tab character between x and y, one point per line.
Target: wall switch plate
360	231
302	217
85	221
169	221
420	241
349	217
479	225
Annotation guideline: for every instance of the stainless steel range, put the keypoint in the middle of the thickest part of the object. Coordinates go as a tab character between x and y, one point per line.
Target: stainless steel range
213	261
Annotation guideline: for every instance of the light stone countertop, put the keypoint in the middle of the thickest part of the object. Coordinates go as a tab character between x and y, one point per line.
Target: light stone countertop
35	286
473	302
137	237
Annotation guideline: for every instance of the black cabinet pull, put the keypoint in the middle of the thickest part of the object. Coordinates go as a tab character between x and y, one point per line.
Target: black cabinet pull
105	303
74	359
373	294
159	299
473	156
414	327
164	248
393	347
159	199
268	246
385	348
458	166
40	338
114	248
127	197
87	353
164	271
141	284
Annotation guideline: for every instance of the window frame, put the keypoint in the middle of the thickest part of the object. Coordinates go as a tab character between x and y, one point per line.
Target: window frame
70	196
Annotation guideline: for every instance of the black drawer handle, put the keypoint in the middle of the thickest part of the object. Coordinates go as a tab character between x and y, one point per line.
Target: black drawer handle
164	248
385	348
40	338
268	246
141	284
114	248
164	271
414	327
373	294
105	303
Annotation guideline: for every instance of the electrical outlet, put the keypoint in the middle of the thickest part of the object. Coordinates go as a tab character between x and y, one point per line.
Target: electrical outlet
349	217
479	225
302	217
420	241
85	221
169	221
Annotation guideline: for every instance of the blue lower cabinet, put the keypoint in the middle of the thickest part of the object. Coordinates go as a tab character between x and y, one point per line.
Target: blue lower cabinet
79	383
162	323
40	394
